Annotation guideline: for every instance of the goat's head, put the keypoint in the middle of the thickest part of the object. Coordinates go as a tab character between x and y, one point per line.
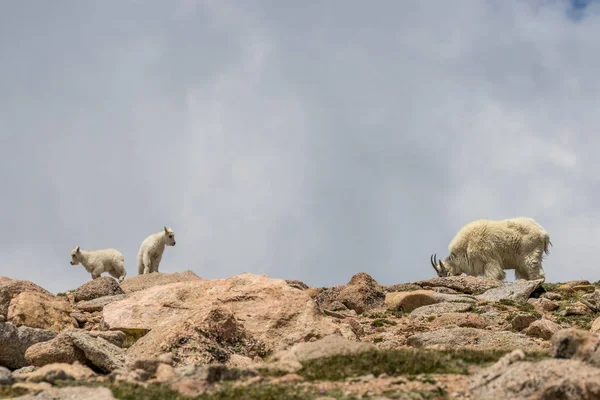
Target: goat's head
442	268
75	253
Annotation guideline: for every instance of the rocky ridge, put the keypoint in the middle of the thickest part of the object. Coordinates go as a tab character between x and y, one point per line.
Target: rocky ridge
251	336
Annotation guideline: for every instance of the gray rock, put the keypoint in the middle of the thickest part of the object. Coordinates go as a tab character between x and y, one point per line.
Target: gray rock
439	309
543	328
519	291
99	303
103	354
100	287
15	341
292	358
463	284
6	377
476	339
57	350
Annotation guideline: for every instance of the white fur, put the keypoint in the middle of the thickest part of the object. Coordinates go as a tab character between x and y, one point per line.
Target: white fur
152	248
486	247
98	261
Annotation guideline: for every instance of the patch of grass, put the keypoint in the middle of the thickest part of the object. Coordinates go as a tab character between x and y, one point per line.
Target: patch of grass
61	294
438	394
382	322
398	362
227	391
551	287
521	306
474	309
579	321
7	392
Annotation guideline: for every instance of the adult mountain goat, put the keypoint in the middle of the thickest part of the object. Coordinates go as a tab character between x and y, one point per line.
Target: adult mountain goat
486	247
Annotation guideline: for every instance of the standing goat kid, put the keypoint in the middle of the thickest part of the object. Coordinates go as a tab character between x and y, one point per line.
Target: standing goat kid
152	248
486	247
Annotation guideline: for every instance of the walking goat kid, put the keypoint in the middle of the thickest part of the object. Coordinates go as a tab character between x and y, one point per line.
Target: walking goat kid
98	261
486	247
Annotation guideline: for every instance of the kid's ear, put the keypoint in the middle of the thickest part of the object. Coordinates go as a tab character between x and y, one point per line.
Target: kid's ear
77	249
166	230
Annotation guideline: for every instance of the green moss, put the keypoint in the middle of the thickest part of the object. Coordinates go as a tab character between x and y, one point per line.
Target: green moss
7	392
431	318
382	322
397	362
132	336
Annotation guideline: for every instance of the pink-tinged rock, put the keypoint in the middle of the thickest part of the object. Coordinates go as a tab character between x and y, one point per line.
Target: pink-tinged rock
39	310
542	328
266	310
9	288
145	281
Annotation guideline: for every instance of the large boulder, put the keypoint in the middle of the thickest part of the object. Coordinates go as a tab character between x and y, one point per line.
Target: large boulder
40	310
262	313
98	303
9	288
519	291
145	281
70	393
101	353
512	378
100	287
476	339
15	341
57	350
362	293
409	301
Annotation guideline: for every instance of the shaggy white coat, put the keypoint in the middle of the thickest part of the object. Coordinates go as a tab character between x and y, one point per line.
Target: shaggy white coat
151	250
486	247
98	261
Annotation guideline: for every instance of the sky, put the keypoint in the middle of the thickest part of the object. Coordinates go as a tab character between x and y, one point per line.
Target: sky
300	140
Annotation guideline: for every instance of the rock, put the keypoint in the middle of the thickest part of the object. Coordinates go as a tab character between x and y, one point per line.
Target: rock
522	321
547	379
39	310
165	373
548	305
79	317
327	299
71	393
141	282
291	360
439	309
260	313
468	320
58	350
580	282
542	328
362	293
519	291
10	288
409	301
5	376
584	288
577	309
551	296
464	283
402	287
14	341
104	355
297	284
576	344
100	287
61	372
115	337
565	289
475	339
99	303
444	290
595	326
21	374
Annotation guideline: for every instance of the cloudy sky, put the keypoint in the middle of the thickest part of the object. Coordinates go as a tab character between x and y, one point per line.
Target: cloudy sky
302	140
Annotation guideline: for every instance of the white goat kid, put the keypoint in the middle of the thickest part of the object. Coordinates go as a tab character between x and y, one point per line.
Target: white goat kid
98	261
486	247
151	250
